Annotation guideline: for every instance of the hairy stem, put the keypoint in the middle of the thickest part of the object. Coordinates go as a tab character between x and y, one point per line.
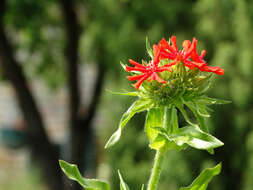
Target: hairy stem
159	157
156	171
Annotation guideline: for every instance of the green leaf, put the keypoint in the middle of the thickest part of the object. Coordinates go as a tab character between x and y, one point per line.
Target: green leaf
162	121
123	65
158	143
154	119
196	138
125	93
123	185
142	187
202	110
163	142
161	117
199	117
138	106
196	108
173	120
201	182
149	49
207	100
72	172
180	106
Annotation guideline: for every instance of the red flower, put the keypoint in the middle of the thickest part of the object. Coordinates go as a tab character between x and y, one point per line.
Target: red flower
200	59
149	71
189	51
188	56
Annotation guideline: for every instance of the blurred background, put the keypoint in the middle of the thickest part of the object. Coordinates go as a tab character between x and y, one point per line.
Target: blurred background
59	58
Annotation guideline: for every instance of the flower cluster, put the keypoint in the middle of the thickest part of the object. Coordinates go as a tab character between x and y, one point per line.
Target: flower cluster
172	56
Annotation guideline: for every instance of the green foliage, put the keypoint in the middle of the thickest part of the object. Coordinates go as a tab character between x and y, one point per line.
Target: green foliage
73	173
190	135
201	182
138	106
148	48
154	119
162	122
123	185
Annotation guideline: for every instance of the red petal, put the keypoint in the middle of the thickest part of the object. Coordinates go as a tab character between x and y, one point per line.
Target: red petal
157	78
135	77
191	49
195	56
156	51
189	64
198	64
139	82
135	69
216	70
165	45
136	64
203	53
174	42
186	45
166	55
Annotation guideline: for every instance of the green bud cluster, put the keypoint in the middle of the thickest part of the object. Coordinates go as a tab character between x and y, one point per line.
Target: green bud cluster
181	83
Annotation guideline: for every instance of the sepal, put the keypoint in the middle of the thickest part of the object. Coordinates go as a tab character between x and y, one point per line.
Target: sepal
209	101
148	48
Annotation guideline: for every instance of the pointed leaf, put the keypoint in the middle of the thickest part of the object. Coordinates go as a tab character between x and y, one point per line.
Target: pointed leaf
200	119
207	100
142	187
73	173
202	110
138	106
180	106
125	93
196	138
123	65
123	185
148	48
201	182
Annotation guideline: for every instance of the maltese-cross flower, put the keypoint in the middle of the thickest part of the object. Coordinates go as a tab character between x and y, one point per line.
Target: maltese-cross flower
171	52
149	70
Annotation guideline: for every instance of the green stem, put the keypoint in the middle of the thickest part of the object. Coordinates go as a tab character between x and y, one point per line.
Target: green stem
159	157
156	171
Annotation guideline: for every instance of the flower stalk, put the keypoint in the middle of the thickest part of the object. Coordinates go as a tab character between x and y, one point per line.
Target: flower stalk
156	171
159	157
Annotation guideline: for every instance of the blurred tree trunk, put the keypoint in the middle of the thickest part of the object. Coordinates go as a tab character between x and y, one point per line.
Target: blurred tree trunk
44	152
80	123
